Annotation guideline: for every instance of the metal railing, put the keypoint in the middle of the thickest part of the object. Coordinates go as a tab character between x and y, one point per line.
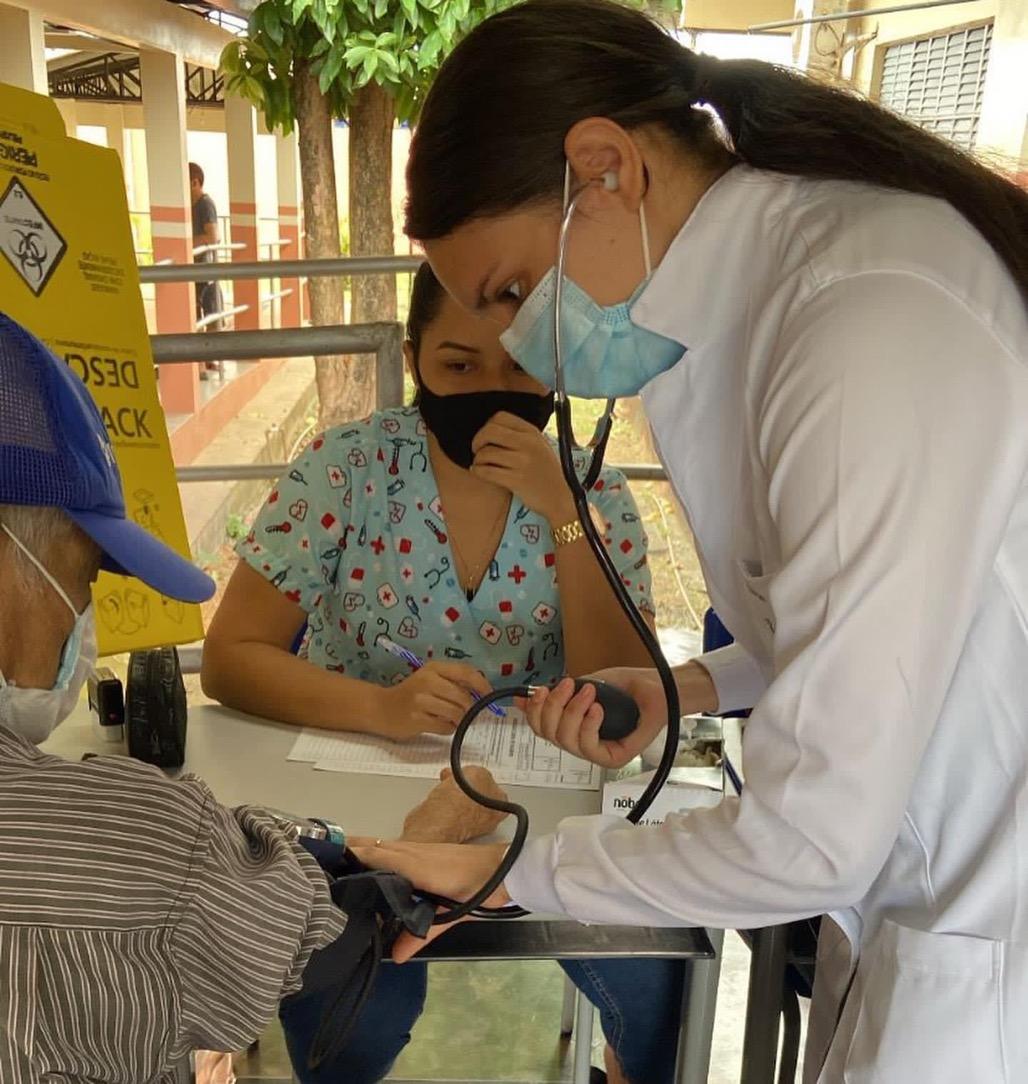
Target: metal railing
248	472
341	267
218	246
384	340
275	295
215	317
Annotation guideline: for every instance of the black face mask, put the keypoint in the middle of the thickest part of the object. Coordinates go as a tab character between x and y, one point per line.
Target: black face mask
454	420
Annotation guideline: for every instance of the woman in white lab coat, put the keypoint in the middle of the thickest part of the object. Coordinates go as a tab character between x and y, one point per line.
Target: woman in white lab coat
827	320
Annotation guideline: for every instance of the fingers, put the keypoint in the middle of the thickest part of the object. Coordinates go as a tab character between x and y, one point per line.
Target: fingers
434	724
492	455
392	855
483	822
504	429
436	715
572	721
462	674
448	868
403	859
569	724
354	842
480	777
497	476
559	711
434	692
608	754
533	706
505	420
567	733
442	690
482	780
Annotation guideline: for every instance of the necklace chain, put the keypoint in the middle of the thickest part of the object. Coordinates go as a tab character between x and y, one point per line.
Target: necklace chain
472	572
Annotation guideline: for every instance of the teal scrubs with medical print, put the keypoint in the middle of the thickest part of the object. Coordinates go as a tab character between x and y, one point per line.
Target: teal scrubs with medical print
355	535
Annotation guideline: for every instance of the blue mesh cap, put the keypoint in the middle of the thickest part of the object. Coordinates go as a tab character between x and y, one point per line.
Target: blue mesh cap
54	451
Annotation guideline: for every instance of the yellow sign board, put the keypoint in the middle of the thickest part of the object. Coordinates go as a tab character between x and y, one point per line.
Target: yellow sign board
68	274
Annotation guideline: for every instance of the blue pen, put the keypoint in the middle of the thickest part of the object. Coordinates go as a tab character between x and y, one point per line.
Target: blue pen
412	660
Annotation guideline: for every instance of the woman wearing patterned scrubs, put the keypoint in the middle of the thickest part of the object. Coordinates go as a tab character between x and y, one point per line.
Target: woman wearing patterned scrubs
447	528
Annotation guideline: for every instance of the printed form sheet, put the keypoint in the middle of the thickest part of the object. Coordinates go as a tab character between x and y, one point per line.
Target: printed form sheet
507	747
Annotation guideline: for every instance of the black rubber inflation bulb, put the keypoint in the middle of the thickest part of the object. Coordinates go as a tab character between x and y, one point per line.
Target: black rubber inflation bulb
620	711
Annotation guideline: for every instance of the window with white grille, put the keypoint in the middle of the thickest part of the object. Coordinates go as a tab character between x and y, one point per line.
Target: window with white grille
937	82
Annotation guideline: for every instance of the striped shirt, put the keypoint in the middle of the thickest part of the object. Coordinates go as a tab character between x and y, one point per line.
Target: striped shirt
139	920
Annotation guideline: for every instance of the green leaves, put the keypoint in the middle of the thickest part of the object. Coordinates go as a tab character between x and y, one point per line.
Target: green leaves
319	12
230	63
348	44
428	53
330	69
272	23
356	55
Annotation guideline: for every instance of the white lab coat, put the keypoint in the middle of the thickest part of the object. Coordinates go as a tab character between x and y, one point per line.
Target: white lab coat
848	434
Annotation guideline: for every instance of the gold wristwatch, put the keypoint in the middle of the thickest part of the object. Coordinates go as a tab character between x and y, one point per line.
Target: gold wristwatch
567	533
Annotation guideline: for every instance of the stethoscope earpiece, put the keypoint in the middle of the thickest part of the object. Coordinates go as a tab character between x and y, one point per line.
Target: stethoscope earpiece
610	181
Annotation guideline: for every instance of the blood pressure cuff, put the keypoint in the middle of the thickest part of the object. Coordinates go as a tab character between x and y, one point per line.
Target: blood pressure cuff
378	907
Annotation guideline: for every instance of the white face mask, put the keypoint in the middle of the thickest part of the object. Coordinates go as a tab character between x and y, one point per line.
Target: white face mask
33	713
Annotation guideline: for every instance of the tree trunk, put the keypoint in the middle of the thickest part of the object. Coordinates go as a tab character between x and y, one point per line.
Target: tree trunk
321	232
372	113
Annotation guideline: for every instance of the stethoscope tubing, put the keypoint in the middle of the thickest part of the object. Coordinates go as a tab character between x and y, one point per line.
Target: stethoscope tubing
451	910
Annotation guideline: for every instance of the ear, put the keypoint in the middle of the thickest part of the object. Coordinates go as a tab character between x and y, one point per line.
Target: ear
597	146
410	362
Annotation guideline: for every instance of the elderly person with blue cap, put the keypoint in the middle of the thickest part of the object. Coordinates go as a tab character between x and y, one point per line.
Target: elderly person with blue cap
139	919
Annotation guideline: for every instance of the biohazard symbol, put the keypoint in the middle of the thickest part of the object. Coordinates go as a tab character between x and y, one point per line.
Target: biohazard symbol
31	253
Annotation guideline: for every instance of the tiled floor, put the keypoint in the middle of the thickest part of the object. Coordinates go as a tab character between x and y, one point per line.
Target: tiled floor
500	1022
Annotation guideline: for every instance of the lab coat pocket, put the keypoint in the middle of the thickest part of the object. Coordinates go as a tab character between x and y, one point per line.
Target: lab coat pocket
928	1010
756	600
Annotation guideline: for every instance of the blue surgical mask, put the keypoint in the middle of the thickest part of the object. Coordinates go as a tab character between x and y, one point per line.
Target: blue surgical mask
33	713
603	354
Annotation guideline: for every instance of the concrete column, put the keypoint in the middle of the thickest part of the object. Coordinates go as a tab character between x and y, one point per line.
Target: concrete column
241	133
818	47
164	118
289	200
1003	126
22	49
116	130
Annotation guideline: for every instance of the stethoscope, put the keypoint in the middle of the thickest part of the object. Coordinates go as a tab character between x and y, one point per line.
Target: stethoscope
621	714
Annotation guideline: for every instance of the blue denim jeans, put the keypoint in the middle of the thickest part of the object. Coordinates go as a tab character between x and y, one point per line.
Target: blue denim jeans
379	1034
639	1003
640	1007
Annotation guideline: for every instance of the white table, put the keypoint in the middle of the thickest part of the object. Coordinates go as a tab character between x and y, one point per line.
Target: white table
243	759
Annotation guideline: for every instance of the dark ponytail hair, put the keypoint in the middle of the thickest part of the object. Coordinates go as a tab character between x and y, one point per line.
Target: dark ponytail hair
491	135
